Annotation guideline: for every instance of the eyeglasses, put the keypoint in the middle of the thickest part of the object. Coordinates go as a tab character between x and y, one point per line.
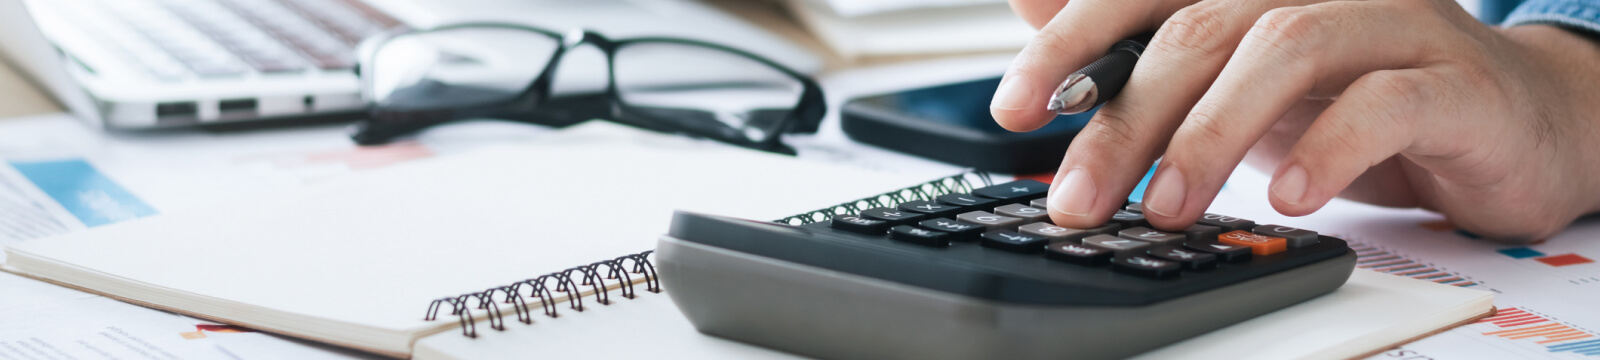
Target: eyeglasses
415	79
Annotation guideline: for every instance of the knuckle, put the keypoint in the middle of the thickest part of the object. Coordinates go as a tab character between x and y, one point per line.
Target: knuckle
1204	124
1290	32
1201	29
1402	94
1112	127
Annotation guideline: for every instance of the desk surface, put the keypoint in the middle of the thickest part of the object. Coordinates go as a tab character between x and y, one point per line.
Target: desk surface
18	96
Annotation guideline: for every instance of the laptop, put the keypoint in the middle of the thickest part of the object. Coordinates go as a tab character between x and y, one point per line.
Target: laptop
141	64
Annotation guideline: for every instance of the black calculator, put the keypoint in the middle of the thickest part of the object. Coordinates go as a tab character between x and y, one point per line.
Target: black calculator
985	274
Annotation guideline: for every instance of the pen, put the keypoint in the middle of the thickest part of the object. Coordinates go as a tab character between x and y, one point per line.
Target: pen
1100	81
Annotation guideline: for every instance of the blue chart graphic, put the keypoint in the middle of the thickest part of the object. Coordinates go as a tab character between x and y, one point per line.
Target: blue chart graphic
89	195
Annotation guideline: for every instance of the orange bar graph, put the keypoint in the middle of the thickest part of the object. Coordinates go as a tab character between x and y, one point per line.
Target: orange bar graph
1519	331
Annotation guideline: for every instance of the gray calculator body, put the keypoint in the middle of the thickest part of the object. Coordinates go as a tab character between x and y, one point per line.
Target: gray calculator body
823	313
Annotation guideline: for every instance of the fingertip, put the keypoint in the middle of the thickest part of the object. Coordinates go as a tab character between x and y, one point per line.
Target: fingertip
1019	104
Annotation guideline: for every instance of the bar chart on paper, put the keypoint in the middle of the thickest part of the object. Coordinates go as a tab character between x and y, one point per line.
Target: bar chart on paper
1392	262
1541	288
1513	333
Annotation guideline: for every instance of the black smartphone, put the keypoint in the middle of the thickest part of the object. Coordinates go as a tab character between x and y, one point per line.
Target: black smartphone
951	123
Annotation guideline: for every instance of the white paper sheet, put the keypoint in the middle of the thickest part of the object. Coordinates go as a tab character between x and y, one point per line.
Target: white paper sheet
1549	306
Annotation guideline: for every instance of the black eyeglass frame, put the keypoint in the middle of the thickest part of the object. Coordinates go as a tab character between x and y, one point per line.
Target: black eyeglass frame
386	124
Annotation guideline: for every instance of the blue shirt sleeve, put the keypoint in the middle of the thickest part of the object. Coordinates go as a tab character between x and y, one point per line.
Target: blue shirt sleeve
1494	11
1580	15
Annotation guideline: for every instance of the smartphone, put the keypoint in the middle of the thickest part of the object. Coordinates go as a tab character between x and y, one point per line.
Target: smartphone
951	123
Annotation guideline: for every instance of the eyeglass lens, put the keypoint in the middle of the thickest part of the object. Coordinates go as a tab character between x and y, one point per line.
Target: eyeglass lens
687	87
457	67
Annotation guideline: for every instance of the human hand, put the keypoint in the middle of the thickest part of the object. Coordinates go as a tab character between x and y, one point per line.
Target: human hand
1392	102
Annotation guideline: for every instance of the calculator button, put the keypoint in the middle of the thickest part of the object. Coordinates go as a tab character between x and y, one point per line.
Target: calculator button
1137	207
1015	191
1259	244
1122	247
1189	259
857	224
1205	233
1298	238
929	208
1024	212
988	220
1128	220
1224	252
1077	254
1012	241
1056	233
965	200
1146	266
957	230
1227	223
919	236
1042	203
892	216
1151	235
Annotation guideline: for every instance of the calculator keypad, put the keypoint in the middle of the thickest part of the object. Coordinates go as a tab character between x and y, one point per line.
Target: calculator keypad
1012	218
1027	213
892	216
989	220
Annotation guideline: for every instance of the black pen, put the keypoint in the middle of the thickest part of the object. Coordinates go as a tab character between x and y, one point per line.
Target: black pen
1100	81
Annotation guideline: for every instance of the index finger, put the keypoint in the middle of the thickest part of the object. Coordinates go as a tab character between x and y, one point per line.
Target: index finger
1079	33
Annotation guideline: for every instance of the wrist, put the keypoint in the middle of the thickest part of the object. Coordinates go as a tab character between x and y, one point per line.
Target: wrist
1564	61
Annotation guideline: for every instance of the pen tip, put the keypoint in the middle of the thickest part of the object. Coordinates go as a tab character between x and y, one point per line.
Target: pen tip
1075	95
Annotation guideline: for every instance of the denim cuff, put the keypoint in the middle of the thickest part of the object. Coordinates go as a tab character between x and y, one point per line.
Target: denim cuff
1580	15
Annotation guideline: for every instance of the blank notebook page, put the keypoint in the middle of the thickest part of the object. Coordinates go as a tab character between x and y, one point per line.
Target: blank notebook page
375	249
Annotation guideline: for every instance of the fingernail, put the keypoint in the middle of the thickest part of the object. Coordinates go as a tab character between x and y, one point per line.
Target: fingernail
1074	195
1291	186
1167	192
1013	94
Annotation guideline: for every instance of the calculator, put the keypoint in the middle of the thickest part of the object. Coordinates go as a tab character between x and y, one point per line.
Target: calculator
985	274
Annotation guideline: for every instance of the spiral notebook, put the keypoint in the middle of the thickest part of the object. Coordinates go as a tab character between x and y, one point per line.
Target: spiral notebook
382	259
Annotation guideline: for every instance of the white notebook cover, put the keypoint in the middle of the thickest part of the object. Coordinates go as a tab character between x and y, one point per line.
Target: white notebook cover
365	256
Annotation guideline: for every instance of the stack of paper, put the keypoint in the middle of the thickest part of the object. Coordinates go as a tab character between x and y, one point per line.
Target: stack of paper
908	27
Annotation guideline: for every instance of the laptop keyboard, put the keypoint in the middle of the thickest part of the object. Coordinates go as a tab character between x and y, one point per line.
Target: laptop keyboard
176	39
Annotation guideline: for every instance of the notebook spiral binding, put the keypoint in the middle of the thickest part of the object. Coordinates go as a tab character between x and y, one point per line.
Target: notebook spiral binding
958	183
547	289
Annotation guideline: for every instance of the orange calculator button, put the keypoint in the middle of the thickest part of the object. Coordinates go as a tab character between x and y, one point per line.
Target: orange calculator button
1259	244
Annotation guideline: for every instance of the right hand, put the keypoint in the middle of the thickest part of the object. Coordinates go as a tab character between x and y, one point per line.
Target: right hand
1391	102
